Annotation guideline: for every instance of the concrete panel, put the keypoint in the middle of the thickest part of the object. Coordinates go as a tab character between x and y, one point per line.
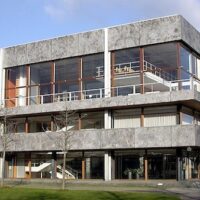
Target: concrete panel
148	32
91	42
101	139
153	137
21	54
197	136
124	36
111	102
39	51
9	57
64	47
160	30
190	35
183	136
118	138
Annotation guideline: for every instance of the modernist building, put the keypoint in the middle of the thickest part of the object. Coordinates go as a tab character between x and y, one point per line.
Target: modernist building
135	92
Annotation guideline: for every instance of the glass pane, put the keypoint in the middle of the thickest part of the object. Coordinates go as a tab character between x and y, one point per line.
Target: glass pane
93	120
67	69
40	73
185	64
91	66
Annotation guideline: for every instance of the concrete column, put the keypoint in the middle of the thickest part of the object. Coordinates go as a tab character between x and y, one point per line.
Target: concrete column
107	166
112	165
83	166
1	167
179	165
107	67
107	119
54	165
88	168
2	78
145	166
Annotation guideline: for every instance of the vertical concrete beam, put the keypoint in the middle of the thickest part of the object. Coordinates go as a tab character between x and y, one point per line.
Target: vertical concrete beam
1	167
88	168
179	165
142	70
2	78
107	119
145	166
107	166
54	165
83	166
107	67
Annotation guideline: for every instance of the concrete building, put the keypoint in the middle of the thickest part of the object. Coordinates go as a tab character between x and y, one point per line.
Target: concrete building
135	92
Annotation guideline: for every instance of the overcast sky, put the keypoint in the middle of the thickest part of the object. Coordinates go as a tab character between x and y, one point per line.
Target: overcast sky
24	21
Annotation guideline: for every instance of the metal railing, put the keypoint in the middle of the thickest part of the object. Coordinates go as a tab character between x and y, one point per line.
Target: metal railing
188	84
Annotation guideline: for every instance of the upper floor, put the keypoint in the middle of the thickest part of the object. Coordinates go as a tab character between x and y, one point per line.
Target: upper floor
159	55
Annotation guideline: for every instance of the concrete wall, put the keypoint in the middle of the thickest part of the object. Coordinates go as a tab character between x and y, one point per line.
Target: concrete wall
190	35
185	96
127	138
148	32
62	47
165	29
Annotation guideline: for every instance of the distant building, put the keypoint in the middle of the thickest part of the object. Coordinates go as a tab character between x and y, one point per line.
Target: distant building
135	88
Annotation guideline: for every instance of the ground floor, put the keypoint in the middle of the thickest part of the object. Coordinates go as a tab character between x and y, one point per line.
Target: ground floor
177	163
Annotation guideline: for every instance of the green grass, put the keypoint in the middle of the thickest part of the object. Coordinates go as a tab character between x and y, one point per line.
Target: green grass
47	194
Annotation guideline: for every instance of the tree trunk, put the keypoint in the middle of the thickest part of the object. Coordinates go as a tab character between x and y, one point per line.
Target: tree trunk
63	170
3	168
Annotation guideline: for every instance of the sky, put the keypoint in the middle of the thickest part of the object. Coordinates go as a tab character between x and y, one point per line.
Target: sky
25	21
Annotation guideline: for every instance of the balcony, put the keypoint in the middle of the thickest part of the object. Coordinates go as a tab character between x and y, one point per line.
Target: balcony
125	138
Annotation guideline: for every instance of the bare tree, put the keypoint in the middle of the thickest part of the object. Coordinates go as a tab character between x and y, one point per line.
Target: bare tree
64	122
6	138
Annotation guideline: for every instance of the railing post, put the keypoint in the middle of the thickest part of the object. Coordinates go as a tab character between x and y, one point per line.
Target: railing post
101	93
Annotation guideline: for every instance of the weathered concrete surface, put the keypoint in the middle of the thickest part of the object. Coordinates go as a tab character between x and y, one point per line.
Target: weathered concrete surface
148	32
101	139
190	35
62	47
112	102
154	31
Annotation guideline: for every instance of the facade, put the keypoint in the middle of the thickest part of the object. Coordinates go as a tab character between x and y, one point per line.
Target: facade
135	92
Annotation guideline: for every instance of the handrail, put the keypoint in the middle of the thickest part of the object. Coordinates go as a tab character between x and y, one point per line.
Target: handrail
102	92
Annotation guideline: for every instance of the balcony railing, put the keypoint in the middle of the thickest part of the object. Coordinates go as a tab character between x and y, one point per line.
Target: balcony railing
127	90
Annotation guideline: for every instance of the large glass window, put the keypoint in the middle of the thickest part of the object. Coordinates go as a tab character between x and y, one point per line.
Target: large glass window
92	75
92	120
125	71
161	60
39	124
185	63
67	73
160	116
126	118
15	86
187	116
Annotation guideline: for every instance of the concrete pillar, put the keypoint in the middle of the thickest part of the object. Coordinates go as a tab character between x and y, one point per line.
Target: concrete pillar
1	167
107	66
107	166
54	165
179	165
107	120
2	78
88	168
145	166
112	165
83	166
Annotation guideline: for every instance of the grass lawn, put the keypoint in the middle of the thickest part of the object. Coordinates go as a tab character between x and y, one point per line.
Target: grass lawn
47	194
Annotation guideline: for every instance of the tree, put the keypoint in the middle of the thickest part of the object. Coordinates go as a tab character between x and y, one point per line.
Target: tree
64	122
6	138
